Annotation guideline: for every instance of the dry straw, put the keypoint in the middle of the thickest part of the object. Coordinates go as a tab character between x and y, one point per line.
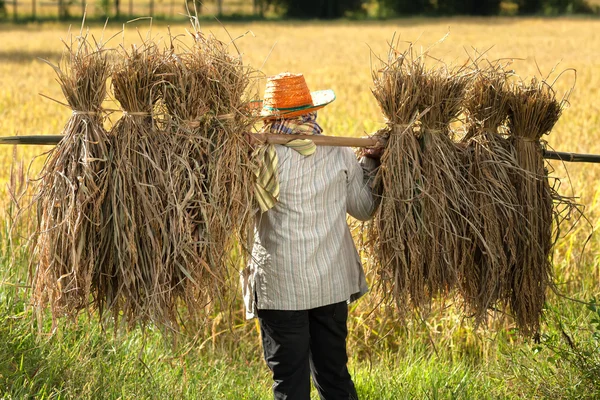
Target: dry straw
229	166
476	217
209	167
419	225
148	222
446	202
534	110
134	283
496	219
73	184
398	237
185	159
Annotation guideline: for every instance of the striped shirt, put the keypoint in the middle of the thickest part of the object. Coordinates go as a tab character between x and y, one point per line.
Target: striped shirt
303	254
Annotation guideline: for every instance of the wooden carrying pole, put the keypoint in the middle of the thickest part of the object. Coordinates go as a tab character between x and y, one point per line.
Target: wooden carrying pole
319	140
260	137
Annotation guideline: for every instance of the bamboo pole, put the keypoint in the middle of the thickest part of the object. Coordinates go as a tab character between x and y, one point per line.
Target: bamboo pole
319	140
261	137
31	140
571	157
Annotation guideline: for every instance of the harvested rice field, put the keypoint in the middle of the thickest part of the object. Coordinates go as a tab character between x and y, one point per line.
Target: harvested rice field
337	56
345	57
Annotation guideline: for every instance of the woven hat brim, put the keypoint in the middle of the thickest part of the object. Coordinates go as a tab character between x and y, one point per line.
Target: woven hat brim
320	99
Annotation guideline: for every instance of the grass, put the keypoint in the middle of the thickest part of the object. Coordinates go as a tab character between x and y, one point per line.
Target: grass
439	357
83	362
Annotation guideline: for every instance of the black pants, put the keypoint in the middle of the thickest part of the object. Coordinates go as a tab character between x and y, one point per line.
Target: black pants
297	344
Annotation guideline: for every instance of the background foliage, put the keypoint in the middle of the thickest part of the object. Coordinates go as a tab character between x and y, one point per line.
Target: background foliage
281	9
338	8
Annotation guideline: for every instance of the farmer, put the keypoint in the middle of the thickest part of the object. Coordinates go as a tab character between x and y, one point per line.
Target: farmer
305	268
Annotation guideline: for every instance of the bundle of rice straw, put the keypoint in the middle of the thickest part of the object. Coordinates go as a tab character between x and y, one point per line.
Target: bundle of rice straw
185	161
72	187
229	167
419	223
496	221
446	205
207	164
398	234
134	283
534	110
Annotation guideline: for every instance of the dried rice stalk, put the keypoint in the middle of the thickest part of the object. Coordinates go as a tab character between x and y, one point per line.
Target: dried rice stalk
397	232
447	206
135	284
496	219
419	223
208	165
185	160
534	110
72	187
229	195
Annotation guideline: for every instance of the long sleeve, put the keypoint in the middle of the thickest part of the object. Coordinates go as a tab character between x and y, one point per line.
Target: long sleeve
304	255
361	202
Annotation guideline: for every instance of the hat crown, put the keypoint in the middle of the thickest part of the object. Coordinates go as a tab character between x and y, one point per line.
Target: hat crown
287	91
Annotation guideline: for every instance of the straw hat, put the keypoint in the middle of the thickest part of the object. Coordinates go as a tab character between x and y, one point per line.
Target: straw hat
287	96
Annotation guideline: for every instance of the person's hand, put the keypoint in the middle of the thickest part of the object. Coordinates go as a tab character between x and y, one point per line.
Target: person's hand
252	140
375	152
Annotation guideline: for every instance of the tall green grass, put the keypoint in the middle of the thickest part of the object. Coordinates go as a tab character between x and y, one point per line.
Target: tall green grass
442	357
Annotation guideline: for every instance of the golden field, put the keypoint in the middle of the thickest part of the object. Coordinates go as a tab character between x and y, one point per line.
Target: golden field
437	356
340	56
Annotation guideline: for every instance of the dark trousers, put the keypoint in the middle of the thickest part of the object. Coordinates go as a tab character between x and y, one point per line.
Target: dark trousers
297	344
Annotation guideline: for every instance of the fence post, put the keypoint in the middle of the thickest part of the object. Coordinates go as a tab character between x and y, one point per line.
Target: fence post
152	8
33	9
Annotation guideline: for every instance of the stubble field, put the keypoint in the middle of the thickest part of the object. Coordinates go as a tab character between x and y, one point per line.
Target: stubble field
439	357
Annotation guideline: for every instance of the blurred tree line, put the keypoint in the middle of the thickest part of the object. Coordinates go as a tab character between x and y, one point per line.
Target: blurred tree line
326	9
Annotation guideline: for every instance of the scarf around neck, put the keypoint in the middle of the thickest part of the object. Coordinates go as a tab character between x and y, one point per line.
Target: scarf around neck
266	186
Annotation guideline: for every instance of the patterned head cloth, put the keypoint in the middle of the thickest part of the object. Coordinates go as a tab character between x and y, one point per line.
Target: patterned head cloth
266	186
